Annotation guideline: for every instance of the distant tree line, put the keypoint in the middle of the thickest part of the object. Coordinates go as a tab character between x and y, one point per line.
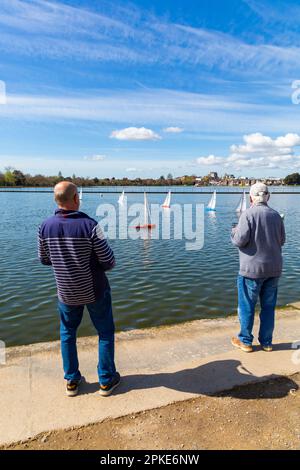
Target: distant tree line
16	178
293	179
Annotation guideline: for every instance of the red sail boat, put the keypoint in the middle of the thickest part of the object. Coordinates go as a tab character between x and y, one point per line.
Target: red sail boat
147	219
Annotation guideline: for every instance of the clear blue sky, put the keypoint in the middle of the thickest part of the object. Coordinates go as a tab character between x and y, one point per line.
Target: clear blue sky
148	87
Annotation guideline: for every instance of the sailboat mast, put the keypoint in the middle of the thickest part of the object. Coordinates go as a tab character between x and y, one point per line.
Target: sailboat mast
145	210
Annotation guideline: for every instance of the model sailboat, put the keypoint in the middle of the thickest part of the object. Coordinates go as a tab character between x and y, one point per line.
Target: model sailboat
167	203
80	195
122	198
147	219
211	206
242	206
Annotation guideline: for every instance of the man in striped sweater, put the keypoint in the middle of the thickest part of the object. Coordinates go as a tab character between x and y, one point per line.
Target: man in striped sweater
73	244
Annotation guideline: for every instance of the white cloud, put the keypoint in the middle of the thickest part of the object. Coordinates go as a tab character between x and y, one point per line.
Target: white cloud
210	160
123	34
263	151
156	107
132	169
95	158
52	164
259	144
135	133
275	12
44	16
260	151
173	130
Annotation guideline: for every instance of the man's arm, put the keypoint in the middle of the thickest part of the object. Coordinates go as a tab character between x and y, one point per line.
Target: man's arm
102	249
42	252
240	234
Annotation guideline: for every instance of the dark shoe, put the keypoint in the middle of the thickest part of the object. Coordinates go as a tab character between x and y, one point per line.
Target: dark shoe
72	387
106	390
267	347
238	344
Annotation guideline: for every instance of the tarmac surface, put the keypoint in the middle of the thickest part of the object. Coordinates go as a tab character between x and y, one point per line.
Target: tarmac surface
159	366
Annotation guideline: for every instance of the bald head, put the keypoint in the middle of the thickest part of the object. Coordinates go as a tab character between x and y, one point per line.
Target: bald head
66	195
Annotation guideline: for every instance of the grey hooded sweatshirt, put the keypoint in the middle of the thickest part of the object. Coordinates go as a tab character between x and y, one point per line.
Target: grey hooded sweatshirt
259	235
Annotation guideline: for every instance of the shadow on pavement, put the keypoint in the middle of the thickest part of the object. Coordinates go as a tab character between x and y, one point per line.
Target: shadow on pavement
208	379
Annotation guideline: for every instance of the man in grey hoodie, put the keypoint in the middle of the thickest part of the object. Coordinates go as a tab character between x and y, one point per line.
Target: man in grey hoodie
259	235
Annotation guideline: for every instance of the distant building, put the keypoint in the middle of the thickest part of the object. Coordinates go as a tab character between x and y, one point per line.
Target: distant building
228	177
230	180
273	181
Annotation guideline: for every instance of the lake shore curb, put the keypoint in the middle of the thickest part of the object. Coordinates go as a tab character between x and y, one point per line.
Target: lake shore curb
159	366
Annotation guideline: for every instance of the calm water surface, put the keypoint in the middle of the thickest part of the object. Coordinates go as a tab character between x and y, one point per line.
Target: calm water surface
155	282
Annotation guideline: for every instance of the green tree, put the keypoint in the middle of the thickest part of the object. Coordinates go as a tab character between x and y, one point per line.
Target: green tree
189	180
9	176
293	179
19	178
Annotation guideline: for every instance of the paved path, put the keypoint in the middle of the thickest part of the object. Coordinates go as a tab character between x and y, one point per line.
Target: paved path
159	366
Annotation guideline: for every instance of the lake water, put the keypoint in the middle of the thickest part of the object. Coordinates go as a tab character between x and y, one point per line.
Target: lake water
155	282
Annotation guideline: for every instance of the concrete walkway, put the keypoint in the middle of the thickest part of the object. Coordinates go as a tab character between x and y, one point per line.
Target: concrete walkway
159	366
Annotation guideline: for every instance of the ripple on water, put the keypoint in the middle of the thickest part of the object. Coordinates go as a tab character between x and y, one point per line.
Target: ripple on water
154	283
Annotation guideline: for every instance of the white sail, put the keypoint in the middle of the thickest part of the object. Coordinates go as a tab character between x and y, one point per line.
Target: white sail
122	198
80	195
242	206
213	201
167	202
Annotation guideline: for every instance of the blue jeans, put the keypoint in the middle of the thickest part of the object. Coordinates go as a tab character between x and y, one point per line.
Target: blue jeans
102	318
249	290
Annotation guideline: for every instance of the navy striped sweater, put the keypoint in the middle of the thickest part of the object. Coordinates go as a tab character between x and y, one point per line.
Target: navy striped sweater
74	245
